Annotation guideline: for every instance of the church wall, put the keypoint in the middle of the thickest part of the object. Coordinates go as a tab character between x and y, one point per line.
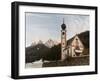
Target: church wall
80	43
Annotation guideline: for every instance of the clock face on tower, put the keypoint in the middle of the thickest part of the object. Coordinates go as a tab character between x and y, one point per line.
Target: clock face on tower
63	33
63	43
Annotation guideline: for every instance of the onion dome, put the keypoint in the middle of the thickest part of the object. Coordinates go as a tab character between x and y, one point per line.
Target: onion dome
63	26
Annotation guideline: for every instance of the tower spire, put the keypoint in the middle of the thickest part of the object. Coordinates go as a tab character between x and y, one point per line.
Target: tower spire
63	26
63	20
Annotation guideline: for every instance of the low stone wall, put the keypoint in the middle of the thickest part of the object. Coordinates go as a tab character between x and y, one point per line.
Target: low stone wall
75	61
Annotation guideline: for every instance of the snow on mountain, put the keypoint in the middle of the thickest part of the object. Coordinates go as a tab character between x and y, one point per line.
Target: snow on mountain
33	44
40	42
50	43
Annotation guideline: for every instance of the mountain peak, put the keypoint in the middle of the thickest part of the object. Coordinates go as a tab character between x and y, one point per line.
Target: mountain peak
50	43
33	44
40	42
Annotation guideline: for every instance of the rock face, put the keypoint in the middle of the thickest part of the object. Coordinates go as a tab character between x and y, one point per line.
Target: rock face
50	43
40	42
33	44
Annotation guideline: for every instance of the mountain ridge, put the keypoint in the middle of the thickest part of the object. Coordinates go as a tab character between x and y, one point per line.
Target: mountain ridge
49	43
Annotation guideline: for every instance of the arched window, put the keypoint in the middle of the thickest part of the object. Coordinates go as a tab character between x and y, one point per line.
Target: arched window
77	44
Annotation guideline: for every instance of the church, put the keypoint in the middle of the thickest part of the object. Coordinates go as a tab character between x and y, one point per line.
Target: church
72	48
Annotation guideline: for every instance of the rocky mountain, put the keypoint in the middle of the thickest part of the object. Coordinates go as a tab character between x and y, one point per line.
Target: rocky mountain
33	44
40	42
50	43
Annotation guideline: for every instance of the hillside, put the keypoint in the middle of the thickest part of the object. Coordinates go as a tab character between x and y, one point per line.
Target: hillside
34	53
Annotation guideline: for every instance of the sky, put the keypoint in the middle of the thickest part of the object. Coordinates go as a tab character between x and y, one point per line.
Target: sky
45	26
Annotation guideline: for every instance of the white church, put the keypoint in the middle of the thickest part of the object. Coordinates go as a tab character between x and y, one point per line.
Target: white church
74	48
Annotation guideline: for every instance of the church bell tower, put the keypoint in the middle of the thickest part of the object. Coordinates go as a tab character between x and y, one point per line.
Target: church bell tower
63	40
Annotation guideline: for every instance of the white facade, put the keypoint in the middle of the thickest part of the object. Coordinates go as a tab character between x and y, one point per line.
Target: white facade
76	47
